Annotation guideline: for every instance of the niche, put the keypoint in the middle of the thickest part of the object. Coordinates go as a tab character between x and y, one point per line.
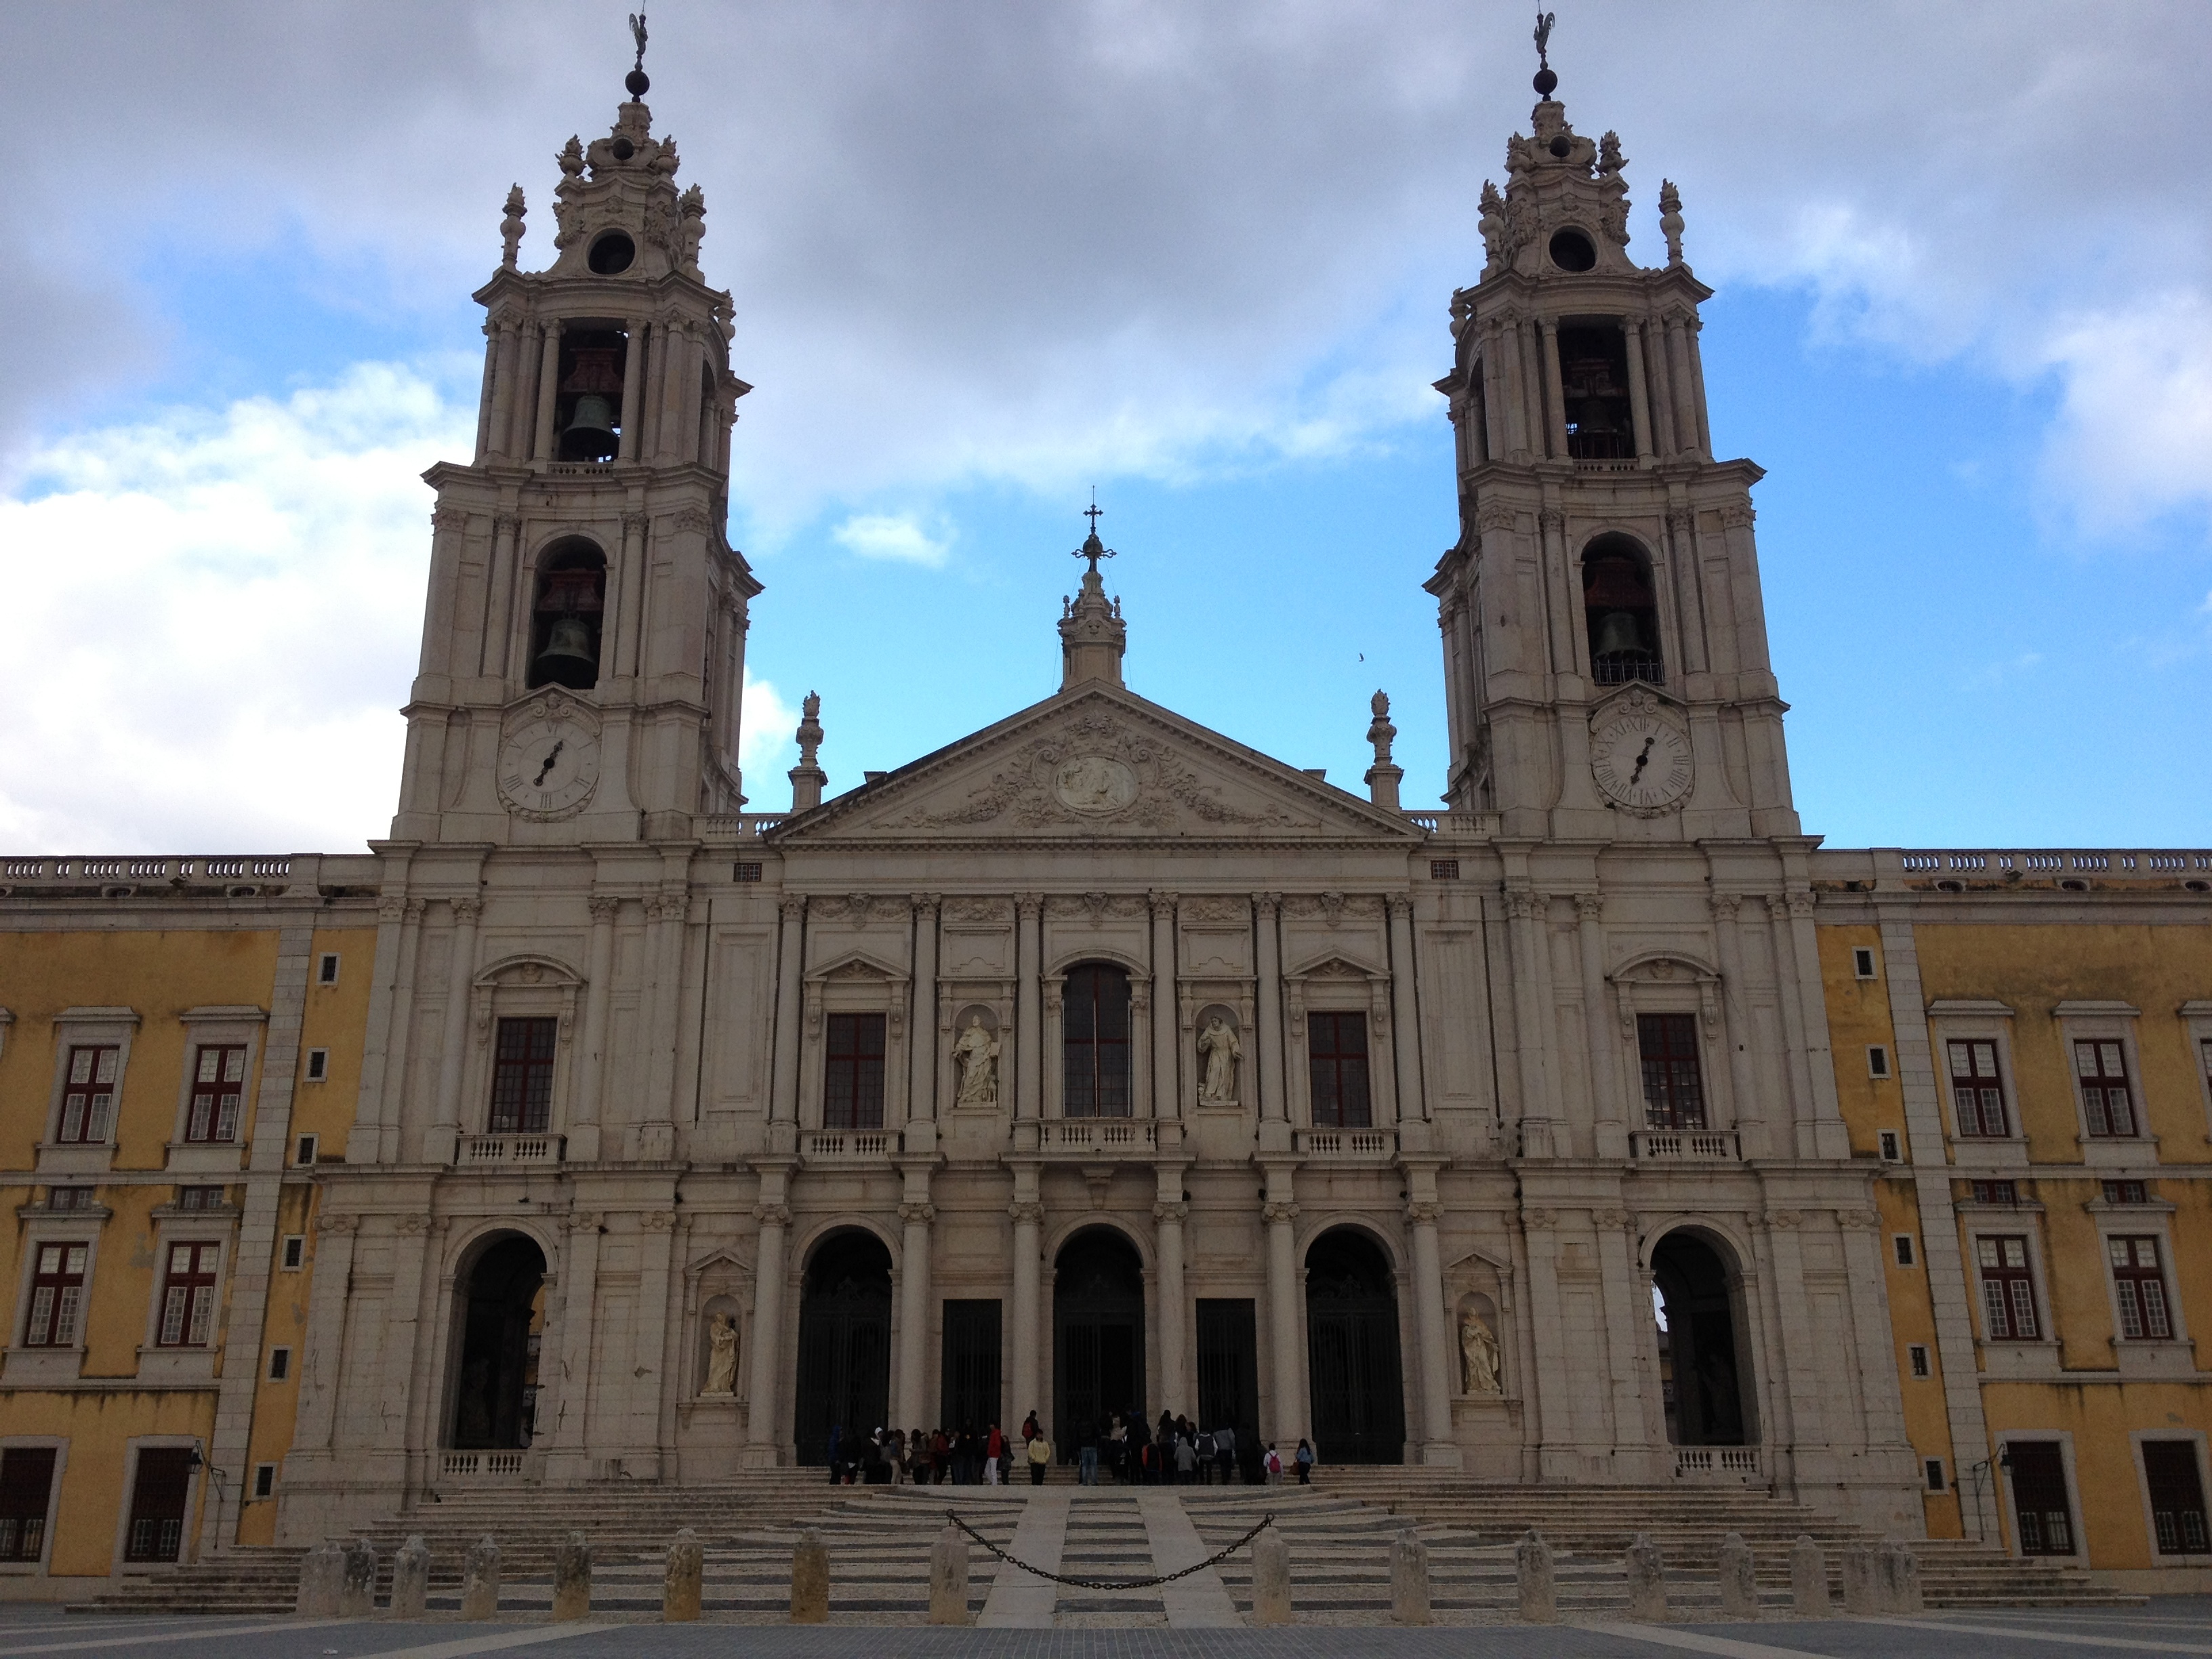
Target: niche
565	622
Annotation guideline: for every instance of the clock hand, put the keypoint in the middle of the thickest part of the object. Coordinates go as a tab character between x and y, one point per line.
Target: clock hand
555	755
1643	760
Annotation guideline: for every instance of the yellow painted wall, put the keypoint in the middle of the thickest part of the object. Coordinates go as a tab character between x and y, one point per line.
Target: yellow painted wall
2101	1416
100	1428
335	1019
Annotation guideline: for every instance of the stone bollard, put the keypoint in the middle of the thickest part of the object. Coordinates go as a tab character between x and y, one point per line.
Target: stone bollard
948	1578
1271	1579
1409	1580
1900	1578
1862	1581
680	1590
810	1579
357	1579
1808	1578
480	1580
1532	1573
1738	1582
572	1579
322	1574
410	1579
1647	1582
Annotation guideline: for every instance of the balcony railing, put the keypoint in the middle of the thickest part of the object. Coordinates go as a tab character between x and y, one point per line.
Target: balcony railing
849	1143
136	871
481	1465
1723	1462
1348	1143
1625	667
1107	1135
2015	863
480	1151
1685	1145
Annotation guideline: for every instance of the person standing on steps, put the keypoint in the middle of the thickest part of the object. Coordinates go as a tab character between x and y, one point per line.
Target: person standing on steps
1305	1461
1040	1455
1224	1450
995	1448
1086	1462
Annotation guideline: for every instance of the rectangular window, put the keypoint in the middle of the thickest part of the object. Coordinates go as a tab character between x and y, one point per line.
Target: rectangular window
2007	1289
319	1064
1892	1153
26	1483
1443	869
2102	1070
280	1364
1863	961
89	1095
326	970
1877	1060
305	1151
1336	1049
2126	1192
69	1198
852	1073
2005	1194
200	1198
56	1295
1902	1243
2038	1496
1976	1089
522	1076
1917	1354
2139	1285
295	1252
1673	1088
744	870
1933	1465
2177	1496
187	1296
1095	1042
157	1503
218	1092
264	1480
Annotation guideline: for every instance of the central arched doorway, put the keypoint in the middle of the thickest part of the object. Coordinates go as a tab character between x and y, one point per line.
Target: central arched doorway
1098	1334
844	1342
1702	1380
1351	1351
495	1396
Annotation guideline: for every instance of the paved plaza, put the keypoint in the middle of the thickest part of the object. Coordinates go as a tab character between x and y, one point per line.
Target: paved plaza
2169	1625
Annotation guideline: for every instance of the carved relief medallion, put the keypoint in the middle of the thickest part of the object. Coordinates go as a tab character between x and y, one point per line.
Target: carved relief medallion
1094	783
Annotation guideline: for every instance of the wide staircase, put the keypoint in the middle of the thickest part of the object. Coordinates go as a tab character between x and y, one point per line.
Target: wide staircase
1339	1532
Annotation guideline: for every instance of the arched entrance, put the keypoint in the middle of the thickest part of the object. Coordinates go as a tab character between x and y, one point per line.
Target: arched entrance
1098	1334
844	1341
1351	1351
495	1396
1707	1402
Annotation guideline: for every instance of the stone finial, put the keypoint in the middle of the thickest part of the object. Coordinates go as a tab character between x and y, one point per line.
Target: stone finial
1534	1581
1092	636
948	1578
357	1579
1647	1582
807	778
1739	1582
1409	1580
1271	1579
680	1589
411	1578
511	228
1383	777
572	1579
480	1580
1808	1578
1670	220
571	157
692	226
810	1579
1610	161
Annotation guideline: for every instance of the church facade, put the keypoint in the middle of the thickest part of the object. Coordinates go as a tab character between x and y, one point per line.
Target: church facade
1095	1063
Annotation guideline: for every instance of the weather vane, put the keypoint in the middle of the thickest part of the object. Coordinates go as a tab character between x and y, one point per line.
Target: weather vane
1544	21
1092	548
637	32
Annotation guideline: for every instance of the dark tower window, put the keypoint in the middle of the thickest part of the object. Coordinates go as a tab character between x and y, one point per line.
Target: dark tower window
1095	1042
1572	251
1622	613
1593	379
564	624
587	412
611	254
852	1076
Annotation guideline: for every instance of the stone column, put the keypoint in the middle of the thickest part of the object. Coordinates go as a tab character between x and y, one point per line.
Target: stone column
1831	1137
584	1121
1429	1324
1027	1213
921	1029
1274	1101
1604	1073
1281	1212
1678	376
1029	1011
1639	396
323	1355
1793	1028
916	1214
1682	555
1736	1015
507	349
501	581
567	1401
1168	1213
549	388
1493	398
1524	928
1698	388
783	1100
1167	1045
1555	391
484	395
1405	1013
460	971
633	374
763	1448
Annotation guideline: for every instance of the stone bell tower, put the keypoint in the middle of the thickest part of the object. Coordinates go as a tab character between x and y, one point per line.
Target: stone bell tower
1605	642
583	645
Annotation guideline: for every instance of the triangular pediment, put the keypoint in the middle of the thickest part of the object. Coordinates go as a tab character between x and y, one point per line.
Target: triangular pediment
1099	763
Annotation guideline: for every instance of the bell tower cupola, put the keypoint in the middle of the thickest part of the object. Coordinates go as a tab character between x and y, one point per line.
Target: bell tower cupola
583	596
1605	642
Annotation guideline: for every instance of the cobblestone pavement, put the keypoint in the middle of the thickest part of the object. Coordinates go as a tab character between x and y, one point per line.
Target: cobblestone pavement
2167	1625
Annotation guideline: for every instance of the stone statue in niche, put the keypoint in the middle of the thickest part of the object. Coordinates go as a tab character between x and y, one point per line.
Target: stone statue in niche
722	1354
1477	1355
976	1054
1217	1043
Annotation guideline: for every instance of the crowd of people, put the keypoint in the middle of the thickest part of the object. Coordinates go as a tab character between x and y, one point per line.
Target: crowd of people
1123	1448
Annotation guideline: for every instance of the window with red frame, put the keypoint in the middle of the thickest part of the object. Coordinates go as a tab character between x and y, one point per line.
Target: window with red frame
2007	1289
1095	1042
1674	1087
89	1095
522	1076
218	1092
26	1483
187	1296
2139	1285
1977	1091
852	1073
56	1295
2102	1069
1336	1046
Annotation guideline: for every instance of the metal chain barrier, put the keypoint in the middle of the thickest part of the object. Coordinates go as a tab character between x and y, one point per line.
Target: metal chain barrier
1215	1559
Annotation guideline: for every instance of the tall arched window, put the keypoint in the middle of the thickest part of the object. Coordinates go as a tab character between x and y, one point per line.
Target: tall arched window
1095	1042
564	622
1622	613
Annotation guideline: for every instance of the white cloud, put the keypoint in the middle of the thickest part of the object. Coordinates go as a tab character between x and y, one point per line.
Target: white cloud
217	616
2134	434
765	747
894	537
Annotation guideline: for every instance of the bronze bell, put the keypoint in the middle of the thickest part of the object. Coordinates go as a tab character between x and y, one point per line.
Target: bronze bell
1617	631
568	658
590	433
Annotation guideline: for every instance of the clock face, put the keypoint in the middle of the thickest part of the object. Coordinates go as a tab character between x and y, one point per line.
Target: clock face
1641	761
549	767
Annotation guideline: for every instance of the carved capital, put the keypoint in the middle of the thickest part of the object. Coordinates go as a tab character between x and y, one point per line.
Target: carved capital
1424	1212
911	1213
1524	904
1552	519
673	904
1029	906
1777	907
1617	1219
392	909
602	906
1682	523
414	1226
1166	1210
925	906
1163	904
772	1215
1801	904
1025	1212
1279	1211
585	1221
1858	1220
448	518
1782	1220
1267	904
1589	907
336	1225
1400	905
635	524
1738	515
1540	1220
793	906
1494	515
1724	906
468	911
657	1221
506	524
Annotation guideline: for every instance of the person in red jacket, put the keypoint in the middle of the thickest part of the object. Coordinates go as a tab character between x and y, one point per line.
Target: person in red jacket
995	1449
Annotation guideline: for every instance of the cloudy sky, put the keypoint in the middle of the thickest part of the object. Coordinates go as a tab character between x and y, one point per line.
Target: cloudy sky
987	256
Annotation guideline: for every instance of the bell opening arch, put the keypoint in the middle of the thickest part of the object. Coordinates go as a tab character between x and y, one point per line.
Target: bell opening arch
566	615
